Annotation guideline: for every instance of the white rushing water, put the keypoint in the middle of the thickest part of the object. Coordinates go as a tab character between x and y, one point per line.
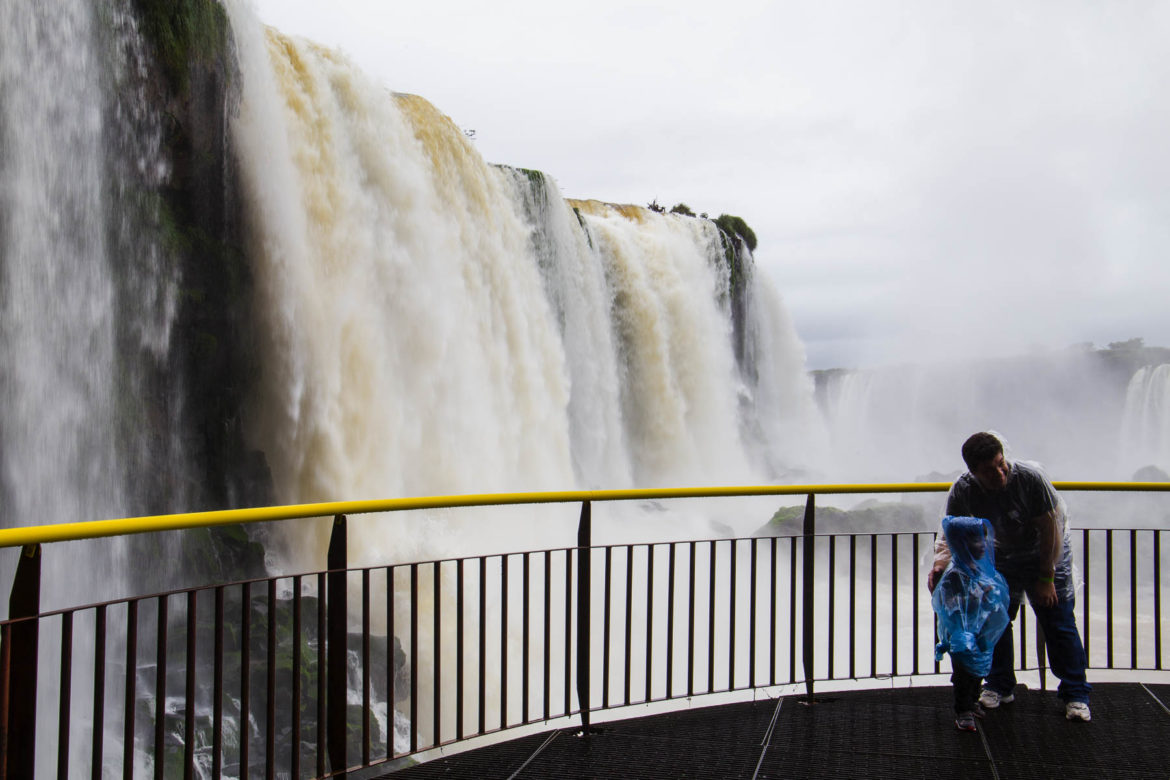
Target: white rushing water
434	324
60	405
1063	409
1145	425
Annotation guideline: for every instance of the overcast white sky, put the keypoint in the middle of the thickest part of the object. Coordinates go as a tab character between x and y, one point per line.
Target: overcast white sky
923	176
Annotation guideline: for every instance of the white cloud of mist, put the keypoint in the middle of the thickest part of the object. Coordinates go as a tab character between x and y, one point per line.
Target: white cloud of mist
923	177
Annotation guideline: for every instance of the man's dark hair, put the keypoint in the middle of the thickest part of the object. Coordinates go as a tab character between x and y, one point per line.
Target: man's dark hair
980	448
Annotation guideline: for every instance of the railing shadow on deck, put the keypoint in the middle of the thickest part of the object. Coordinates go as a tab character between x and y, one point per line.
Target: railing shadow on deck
327	673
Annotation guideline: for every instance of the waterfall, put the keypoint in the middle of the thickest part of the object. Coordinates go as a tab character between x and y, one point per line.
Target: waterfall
88	296
434	324
1145	425
1062	408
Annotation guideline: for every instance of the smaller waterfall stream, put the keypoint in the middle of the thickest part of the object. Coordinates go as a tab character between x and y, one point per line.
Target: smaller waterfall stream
1145	426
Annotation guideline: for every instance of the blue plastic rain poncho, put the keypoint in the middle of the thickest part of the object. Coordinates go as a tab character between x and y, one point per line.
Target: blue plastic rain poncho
971	598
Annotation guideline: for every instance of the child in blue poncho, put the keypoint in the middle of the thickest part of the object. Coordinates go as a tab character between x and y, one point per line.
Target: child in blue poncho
971	601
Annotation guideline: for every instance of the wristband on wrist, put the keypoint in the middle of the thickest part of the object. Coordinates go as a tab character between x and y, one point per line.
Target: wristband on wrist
1046	579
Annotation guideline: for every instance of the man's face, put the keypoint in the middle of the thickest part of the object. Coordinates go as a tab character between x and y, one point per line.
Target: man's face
993	474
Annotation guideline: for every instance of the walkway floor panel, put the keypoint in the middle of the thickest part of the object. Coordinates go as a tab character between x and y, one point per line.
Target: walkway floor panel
893	733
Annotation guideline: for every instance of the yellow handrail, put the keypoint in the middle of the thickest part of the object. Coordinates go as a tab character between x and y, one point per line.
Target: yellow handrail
94	529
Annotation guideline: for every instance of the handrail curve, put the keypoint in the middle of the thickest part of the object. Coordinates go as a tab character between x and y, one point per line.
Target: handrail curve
94	529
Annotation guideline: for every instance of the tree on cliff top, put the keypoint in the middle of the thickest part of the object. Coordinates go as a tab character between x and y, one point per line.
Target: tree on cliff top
735	226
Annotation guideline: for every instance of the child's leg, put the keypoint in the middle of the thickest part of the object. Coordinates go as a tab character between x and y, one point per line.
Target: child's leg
966	687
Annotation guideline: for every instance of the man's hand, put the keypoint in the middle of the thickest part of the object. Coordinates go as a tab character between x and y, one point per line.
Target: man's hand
1043	594
935	572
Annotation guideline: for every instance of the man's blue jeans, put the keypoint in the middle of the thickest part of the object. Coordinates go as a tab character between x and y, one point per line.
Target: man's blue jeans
1066	654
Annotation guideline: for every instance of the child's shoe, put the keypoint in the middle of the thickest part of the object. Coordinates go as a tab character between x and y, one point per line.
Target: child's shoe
1077	710
965	721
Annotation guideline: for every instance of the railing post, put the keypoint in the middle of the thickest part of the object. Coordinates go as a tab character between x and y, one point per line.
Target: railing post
336	650
810	525
584	593
1041	655
18	709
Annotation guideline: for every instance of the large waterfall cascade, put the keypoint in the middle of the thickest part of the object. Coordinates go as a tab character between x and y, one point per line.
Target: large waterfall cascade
433	324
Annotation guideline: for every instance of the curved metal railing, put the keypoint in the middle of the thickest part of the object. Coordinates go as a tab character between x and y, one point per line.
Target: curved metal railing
344	668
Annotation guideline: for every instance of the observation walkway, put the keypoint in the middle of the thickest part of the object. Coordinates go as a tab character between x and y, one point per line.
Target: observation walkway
898	734
349	671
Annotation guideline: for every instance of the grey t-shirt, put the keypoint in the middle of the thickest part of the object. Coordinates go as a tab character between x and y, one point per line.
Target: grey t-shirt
1011	511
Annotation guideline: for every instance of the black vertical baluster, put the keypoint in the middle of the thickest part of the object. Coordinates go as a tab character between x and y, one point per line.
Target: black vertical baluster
525	639
914	600
297	632
691	626
337	645
792	632
365	667
217	690
483	645
6	634
1024	644
66	692
131	688
547	688
503	641
414	657
99	689
437	651
391	661
270	683
584	598
160	691
245	675
832	598
568	631
873	567
670	622
772	607
1133	640
1158	600
894	603
18	668
629	651
1109	598
649	617
714	557
852	606
459	650
752	616
731	605
606	638
322	675
189	692
808	647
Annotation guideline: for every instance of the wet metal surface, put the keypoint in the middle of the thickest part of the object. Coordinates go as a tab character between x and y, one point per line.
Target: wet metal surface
902	733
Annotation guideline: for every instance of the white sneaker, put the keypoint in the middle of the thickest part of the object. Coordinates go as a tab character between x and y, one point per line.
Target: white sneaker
1077	710
990	699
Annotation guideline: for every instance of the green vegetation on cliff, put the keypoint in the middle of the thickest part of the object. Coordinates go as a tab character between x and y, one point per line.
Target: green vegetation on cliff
183	32
735	226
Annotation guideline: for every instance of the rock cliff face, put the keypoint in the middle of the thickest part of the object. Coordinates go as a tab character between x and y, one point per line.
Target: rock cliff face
211	357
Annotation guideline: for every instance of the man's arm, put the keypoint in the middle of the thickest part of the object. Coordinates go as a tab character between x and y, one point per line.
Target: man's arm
1051	545
942	553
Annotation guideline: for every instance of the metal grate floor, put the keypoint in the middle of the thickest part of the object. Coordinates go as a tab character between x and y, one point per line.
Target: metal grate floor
902	733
